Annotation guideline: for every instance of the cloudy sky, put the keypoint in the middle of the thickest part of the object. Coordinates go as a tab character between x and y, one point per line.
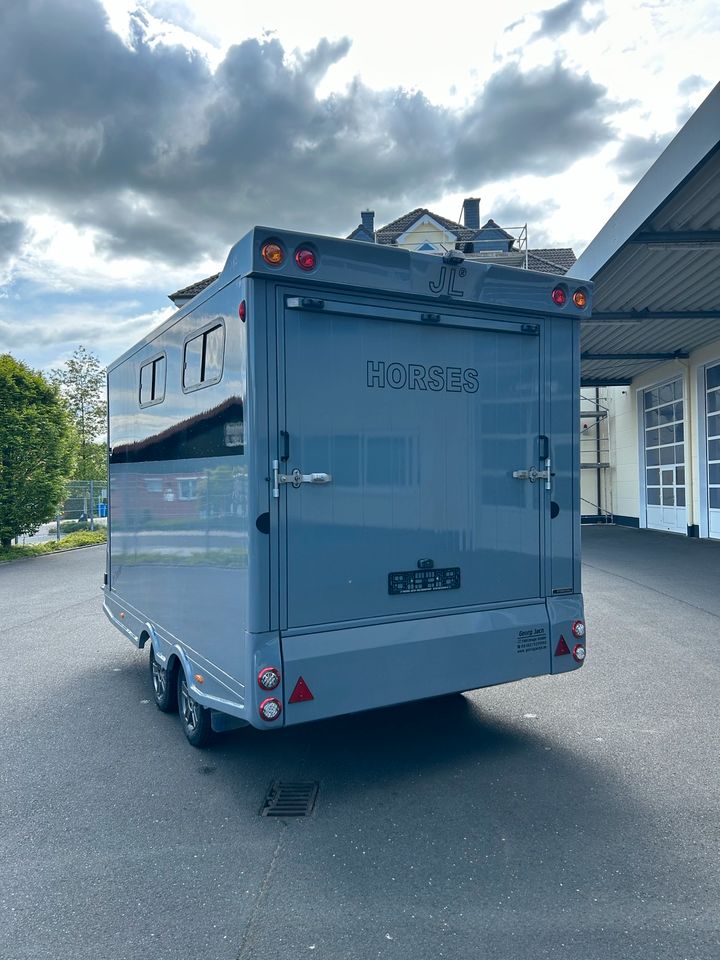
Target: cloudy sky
138	142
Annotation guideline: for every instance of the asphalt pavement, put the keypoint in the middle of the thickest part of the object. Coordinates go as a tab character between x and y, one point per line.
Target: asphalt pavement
573	818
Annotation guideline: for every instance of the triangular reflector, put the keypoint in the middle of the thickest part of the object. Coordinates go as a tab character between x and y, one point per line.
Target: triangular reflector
302	692
562	648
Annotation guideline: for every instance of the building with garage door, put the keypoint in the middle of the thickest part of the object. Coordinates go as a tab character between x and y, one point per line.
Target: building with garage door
651	352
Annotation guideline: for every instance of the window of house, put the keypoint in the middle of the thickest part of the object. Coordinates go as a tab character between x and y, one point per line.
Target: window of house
152	381
187	488
203	359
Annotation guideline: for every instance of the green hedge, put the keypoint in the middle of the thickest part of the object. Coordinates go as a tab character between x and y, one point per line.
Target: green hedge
84	538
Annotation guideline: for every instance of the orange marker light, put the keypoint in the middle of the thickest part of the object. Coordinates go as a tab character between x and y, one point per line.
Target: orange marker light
199	678
580	299
272	253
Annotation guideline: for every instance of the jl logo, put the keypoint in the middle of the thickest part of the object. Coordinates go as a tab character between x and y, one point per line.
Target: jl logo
447	280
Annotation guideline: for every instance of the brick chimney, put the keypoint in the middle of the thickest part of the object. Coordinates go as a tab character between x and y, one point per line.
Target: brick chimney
368	221
471	213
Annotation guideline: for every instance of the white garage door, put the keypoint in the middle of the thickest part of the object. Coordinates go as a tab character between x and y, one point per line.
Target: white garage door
712	408
663	410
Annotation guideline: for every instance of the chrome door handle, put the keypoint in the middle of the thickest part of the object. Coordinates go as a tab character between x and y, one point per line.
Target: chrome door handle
296	478
533	474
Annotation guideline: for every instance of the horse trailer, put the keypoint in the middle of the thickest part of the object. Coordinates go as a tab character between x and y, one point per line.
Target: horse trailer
346	476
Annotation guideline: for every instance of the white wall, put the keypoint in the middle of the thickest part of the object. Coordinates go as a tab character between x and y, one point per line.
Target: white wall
625	442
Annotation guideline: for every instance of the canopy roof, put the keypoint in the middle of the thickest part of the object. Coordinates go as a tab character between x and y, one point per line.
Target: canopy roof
656	262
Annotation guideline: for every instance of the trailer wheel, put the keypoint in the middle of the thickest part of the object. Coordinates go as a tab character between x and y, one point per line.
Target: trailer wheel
164	685
195	719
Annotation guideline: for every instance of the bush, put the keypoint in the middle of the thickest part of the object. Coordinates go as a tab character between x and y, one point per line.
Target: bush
84	538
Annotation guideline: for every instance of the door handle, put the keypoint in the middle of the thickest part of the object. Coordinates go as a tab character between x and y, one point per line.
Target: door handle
533	474
296	478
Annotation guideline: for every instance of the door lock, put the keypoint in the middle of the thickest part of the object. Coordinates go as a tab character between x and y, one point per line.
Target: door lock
296	478
534	474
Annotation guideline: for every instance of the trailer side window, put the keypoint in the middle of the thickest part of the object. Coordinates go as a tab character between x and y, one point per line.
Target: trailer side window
203	360
152	381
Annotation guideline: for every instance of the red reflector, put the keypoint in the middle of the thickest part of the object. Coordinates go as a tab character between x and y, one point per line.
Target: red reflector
562	648
302	692
242	310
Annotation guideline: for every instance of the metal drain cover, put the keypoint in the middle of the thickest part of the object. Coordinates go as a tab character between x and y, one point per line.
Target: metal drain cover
290	799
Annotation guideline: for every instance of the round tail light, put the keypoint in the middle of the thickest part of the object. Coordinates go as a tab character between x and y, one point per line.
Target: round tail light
305	258
270	709
579	652
268	678
580	299
578	629
559	296
272	253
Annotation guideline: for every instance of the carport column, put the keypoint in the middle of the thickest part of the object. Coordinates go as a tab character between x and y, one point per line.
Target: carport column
691	467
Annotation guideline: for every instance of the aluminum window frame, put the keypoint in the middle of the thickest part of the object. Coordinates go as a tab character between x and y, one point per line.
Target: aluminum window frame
162	355
218	322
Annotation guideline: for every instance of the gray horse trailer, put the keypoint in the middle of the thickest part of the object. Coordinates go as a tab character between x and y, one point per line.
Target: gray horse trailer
346	476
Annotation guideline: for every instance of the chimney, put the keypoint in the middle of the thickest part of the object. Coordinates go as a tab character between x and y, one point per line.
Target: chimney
471	213
368	221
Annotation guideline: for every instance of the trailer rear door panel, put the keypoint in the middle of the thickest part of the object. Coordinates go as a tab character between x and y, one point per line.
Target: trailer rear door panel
420	426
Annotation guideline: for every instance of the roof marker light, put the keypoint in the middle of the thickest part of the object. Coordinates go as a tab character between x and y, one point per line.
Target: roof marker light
559	296
272	253
580	298
305	258
242	310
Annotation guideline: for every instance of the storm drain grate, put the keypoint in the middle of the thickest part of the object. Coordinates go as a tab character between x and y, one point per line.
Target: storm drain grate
290	799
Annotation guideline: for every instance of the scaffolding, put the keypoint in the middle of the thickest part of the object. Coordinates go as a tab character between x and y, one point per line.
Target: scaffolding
596	497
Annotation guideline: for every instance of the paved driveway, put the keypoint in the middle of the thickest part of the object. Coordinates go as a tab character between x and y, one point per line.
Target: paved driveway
572	817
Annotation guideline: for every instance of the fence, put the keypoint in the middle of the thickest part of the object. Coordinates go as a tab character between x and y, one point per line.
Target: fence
84	504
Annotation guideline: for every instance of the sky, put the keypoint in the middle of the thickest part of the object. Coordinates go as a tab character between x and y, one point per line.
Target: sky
138	142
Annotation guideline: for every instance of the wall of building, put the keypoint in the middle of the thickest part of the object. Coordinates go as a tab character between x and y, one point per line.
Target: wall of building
423	232
626	441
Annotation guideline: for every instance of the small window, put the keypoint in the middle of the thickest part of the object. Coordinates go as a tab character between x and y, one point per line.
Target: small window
152	382
203	360
187	488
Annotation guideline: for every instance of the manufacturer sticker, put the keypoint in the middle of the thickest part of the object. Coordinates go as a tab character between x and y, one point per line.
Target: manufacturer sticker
530	641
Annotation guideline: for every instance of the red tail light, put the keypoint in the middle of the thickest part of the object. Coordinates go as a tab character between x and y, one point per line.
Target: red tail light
579	652
559	296
578	629
270	709
305	258
268	678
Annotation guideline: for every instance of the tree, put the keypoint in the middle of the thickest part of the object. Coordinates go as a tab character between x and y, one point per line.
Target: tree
82	386
35	449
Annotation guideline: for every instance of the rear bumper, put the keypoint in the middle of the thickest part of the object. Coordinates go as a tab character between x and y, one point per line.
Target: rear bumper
363	667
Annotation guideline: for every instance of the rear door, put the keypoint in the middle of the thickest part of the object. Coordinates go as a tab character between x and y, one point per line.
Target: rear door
419	424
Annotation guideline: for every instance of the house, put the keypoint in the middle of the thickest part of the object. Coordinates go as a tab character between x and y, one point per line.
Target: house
427	232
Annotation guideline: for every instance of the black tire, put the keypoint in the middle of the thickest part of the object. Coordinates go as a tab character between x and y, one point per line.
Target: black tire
164	686
195	719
